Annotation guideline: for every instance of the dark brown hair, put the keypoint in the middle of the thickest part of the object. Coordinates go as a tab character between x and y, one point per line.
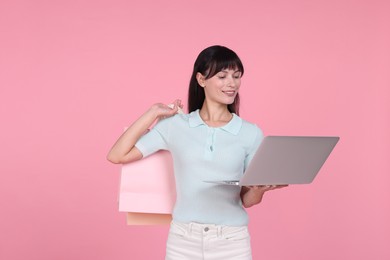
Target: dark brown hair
209	62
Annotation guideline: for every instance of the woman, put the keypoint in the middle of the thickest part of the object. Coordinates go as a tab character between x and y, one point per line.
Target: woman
210	143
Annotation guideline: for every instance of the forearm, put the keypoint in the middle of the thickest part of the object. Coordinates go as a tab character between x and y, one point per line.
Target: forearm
119	153
251	196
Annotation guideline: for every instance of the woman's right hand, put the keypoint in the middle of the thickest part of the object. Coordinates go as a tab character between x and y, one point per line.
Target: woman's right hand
163	111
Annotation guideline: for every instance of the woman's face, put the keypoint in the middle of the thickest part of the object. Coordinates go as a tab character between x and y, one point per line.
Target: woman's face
223	87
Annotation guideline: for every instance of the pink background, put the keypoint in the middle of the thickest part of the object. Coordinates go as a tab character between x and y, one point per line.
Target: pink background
74	73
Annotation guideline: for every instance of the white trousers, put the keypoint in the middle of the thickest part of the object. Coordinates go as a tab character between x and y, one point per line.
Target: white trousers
207	242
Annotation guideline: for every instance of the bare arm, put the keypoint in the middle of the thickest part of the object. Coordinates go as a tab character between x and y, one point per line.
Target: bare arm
253	195
124	149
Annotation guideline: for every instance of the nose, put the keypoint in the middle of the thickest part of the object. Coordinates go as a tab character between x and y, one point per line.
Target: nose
232	82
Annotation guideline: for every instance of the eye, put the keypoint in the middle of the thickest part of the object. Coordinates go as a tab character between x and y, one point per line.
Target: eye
221	75
237	75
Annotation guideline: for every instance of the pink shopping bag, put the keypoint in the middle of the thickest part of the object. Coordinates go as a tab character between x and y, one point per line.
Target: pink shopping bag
147	190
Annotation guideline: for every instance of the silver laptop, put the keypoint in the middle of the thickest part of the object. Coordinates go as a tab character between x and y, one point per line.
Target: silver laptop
283	160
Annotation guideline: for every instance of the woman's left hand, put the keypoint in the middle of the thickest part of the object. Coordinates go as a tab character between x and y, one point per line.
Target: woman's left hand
264	188
252	195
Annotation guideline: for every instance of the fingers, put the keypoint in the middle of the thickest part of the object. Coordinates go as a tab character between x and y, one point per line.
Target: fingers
177	103
170	109
267	187
176	106
274	187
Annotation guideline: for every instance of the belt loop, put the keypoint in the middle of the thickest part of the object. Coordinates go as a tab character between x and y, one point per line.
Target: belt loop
219	229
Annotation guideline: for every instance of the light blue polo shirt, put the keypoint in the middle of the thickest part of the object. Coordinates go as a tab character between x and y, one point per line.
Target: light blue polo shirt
201	153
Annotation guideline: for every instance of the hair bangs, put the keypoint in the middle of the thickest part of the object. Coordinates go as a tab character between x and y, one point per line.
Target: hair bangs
222	62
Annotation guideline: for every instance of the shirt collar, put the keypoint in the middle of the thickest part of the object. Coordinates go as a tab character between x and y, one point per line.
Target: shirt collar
232	127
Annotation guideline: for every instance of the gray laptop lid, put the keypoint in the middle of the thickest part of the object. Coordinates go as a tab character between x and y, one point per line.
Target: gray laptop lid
288	160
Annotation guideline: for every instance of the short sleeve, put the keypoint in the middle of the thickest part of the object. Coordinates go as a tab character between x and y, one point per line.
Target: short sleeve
156	139
255	145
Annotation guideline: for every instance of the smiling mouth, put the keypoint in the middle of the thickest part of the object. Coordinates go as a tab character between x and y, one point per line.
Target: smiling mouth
230	93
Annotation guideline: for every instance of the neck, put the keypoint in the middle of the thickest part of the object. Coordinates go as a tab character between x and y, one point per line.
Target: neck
216	115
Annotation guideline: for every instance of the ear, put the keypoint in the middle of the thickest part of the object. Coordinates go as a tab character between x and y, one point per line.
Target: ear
200	78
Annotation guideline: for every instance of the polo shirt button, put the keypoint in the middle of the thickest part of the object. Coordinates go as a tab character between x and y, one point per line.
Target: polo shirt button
206	229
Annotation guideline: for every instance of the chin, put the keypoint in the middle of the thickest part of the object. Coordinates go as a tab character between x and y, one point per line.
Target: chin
230	101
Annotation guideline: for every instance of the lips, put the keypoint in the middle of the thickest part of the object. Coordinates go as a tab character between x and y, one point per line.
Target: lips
230	93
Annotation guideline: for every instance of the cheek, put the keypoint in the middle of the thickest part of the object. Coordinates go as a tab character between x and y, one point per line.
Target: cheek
211	90
215	86
238	85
